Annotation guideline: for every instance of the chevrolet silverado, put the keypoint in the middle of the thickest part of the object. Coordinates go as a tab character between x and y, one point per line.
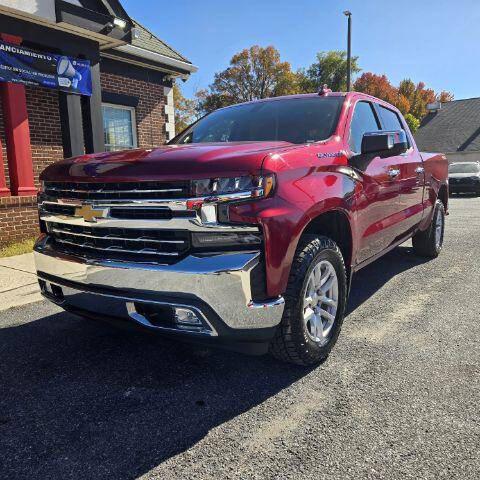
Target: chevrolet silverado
246	229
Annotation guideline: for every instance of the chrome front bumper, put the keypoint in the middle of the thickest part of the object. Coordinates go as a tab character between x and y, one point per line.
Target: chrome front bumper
216	285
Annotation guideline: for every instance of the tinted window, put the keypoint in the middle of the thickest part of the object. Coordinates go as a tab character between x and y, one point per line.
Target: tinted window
363	121
464	168
295	120
390	119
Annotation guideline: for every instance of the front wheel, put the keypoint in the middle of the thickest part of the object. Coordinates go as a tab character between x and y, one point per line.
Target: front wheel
429	243
314	303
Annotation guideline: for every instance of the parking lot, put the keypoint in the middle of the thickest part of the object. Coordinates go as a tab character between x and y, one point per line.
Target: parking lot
398	397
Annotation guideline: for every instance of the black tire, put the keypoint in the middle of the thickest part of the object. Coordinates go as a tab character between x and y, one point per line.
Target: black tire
425	243
292	343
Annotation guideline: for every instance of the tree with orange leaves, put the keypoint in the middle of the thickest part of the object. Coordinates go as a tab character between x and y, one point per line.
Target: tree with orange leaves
410	99
377	86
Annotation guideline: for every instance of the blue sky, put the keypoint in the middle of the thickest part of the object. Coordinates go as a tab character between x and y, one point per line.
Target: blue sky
435	41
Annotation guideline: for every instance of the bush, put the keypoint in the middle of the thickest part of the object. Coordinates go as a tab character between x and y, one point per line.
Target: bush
412	122
19	248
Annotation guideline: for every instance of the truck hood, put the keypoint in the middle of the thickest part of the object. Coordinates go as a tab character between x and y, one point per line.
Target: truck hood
170	162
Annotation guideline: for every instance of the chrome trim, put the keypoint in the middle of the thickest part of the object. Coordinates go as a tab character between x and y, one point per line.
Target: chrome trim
144	251
131	310
267	303
139	318
175	223
173	203
101	190
222	281
232	197
109	237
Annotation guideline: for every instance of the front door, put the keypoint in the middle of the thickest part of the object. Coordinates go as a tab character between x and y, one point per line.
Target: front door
377	198
411	179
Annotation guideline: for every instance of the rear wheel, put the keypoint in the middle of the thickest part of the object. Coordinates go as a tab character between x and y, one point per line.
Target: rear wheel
429	243
314	303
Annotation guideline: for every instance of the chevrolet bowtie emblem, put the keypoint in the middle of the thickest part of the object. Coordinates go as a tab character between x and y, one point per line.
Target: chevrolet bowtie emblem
89	213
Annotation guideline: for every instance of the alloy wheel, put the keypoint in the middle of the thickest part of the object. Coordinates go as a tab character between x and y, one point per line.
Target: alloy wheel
320	302
439	221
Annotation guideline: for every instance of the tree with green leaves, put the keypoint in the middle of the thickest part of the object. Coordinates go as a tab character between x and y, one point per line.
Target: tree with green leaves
330	69
258	72
254	73
412	122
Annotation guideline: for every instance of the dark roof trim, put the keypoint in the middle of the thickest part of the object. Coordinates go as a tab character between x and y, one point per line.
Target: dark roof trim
119	99
93	20
142	73
117	9
44	38
141	62
155	59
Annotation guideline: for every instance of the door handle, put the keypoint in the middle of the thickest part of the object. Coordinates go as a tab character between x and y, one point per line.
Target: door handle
394	172
419	170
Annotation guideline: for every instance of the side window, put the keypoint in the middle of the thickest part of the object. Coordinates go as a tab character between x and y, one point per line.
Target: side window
390	119
363	121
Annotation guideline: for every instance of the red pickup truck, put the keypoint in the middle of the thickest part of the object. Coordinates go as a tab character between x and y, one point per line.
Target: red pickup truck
246	229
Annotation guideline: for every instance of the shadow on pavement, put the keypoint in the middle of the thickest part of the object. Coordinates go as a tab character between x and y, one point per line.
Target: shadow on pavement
372	277
84	400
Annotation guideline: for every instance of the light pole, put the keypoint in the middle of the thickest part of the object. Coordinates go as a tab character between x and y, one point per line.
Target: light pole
348	14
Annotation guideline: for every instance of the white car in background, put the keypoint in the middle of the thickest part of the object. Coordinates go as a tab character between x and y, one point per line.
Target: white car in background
464	177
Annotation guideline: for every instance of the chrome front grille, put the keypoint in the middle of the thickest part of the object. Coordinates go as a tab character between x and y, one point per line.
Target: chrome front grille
120	243
131	227
141	222
117	191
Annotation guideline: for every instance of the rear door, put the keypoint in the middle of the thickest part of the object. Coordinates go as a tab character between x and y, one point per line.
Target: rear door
377	201
411	178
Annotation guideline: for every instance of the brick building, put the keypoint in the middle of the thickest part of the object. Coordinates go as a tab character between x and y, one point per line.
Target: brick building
130	103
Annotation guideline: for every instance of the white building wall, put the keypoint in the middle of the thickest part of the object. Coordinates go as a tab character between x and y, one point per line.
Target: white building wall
169	112
39	8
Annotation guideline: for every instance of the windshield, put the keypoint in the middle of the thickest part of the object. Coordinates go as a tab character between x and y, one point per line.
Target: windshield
464	168
294	120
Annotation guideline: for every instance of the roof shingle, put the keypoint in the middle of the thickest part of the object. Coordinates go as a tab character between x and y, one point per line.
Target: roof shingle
453	128
151	42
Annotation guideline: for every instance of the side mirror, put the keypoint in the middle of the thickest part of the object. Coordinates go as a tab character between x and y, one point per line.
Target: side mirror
384	144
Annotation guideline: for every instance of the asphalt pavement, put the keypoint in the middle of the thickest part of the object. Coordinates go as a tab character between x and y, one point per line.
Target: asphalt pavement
398	397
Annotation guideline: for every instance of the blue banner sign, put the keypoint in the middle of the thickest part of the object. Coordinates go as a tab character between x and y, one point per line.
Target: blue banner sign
29	67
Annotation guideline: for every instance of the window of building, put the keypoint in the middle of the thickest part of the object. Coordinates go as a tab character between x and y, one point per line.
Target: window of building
364	121
119	127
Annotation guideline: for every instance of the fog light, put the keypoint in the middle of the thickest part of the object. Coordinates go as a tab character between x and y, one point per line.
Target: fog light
184	316
208	214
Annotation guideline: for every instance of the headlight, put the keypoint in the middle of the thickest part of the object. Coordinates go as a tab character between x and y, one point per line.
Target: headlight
213	198
249	185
